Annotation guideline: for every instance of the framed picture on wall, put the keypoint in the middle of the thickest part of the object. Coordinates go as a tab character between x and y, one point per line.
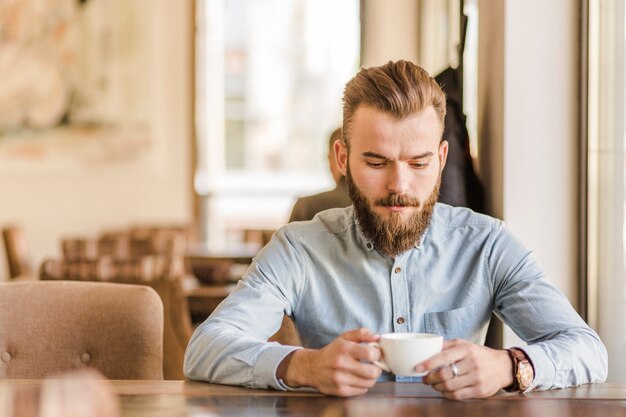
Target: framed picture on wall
77	87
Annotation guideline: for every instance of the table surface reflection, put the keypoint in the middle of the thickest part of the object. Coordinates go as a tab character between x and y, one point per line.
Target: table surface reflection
184	398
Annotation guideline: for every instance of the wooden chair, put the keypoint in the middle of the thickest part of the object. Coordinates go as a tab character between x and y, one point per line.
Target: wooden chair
50	327
17	253
130	246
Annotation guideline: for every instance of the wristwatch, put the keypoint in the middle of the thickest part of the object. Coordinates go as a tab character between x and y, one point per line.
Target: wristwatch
523	372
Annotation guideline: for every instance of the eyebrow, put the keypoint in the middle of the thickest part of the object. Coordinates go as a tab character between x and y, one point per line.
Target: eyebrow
379	156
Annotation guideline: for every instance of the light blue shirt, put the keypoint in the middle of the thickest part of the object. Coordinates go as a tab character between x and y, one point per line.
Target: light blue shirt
328	277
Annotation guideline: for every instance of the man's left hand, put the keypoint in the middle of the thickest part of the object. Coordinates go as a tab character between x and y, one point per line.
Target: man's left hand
481	371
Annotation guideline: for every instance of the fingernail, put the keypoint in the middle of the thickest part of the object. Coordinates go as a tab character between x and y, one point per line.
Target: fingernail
420	368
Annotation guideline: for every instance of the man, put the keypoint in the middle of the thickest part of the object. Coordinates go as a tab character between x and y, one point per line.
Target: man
307	207
395	262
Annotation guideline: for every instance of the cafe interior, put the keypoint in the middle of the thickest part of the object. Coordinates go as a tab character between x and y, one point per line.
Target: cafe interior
157	145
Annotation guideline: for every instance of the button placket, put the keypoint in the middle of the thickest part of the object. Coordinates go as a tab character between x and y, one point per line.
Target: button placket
399	297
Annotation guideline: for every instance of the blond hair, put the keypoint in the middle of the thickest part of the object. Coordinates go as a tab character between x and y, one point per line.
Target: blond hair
398	88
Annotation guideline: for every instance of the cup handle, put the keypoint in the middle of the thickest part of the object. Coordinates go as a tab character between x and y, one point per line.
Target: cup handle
381	363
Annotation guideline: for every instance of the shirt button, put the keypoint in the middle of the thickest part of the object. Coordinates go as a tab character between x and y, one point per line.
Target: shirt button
85	357
6	356
398	270
400	320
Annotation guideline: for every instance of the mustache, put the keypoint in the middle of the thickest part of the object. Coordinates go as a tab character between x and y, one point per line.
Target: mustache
398	200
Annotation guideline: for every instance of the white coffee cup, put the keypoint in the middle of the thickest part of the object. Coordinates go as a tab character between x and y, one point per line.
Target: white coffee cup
401	352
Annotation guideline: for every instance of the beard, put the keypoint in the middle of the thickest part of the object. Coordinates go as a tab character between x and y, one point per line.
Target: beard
394	235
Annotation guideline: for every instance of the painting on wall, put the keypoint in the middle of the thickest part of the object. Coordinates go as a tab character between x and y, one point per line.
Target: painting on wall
75	87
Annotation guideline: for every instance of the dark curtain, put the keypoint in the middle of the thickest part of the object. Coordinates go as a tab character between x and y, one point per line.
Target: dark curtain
460	186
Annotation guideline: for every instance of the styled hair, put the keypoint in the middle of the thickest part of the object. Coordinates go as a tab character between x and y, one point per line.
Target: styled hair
398	88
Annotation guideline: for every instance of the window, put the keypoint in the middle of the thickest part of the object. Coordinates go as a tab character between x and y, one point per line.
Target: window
269	80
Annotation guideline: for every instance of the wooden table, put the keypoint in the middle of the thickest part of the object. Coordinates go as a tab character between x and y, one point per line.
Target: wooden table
242	255
179	398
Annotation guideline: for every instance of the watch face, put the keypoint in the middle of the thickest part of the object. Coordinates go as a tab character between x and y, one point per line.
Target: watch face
524	375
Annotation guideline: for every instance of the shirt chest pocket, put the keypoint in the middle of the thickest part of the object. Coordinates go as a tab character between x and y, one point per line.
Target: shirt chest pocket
464	322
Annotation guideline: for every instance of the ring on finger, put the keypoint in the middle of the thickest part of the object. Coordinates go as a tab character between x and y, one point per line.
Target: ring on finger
454	369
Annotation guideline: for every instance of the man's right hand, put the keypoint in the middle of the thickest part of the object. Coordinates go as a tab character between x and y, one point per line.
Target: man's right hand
336	369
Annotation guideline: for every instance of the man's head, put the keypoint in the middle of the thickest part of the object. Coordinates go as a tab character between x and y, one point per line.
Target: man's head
392	152
399	88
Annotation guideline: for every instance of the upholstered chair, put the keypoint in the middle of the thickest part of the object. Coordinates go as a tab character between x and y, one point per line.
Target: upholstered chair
48	327
149	270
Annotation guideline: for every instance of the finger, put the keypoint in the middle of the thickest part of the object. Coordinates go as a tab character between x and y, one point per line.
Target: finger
357	378
439	360
447	356
366	371
360	335
455	384
364	352
445	373
444	380
437	376
354	366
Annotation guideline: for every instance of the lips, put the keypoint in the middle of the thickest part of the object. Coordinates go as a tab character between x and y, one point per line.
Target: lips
396	208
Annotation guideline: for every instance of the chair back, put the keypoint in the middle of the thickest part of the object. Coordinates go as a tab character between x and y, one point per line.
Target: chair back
18	256
151	271
48	327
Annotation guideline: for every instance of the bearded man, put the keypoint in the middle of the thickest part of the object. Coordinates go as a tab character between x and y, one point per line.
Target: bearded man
395	261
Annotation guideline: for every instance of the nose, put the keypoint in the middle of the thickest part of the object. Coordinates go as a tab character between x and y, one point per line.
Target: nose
398	180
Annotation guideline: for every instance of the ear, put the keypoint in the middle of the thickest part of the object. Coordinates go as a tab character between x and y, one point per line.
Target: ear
341	156
443	153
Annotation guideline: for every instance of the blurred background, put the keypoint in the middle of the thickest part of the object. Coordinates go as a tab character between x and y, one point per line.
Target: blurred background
215	114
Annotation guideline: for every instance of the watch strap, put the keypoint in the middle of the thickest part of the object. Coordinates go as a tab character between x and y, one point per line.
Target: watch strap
518	357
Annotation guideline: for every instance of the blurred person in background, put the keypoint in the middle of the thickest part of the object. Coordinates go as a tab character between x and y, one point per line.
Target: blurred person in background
307	207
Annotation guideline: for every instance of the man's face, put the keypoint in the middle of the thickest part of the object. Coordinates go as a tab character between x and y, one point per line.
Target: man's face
393	170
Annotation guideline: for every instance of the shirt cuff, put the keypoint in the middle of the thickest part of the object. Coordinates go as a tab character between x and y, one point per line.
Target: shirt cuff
267	364
545	372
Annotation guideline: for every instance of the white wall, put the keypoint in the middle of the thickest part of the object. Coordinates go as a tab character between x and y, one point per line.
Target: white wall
528	121
392	31
541	133
84	200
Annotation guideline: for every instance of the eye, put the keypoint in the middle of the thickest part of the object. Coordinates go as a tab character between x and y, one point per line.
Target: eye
419	164
372	164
